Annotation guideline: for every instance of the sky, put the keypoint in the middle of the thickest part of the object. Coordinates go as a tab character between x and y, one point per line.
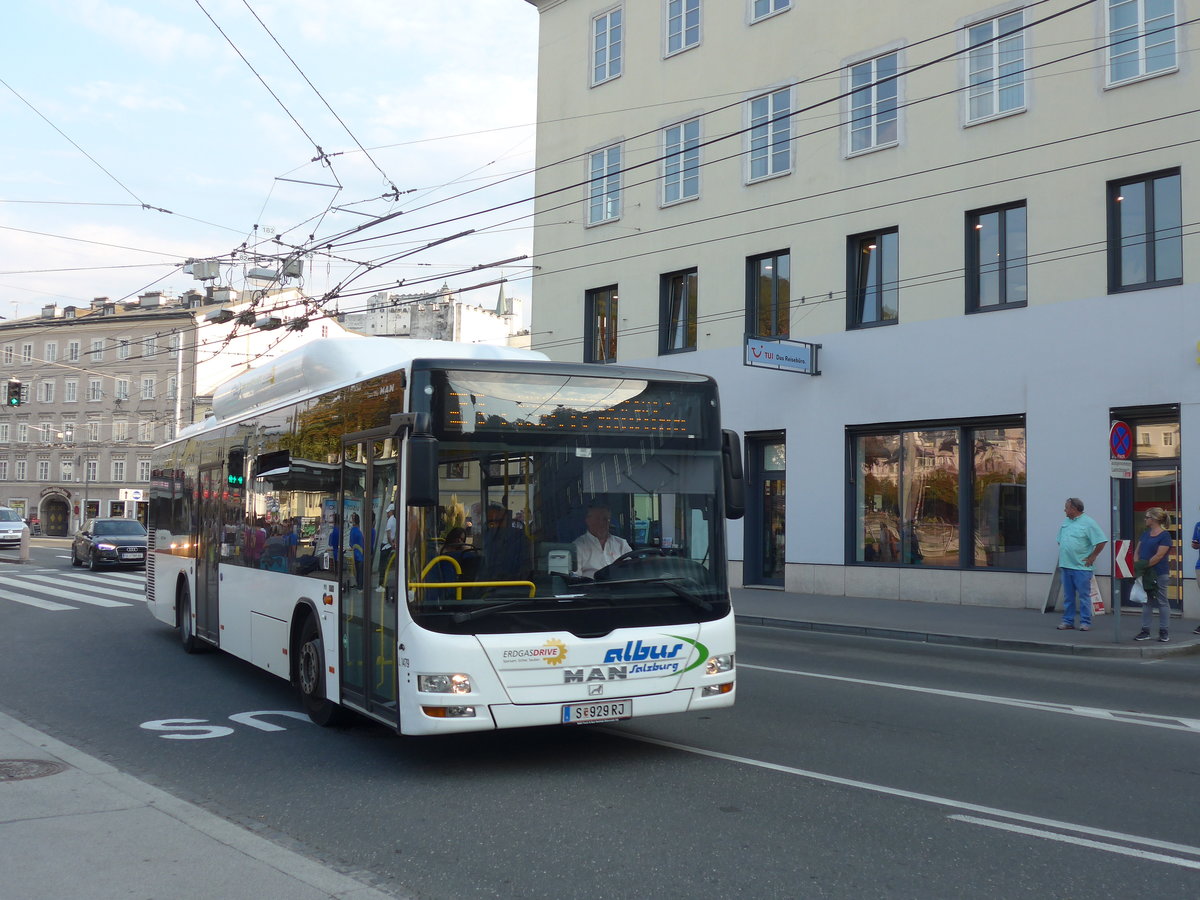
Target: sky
134	136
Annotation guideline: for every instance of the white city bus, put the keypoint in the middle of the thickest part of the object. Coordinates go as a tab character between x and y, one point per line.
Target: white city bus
391	525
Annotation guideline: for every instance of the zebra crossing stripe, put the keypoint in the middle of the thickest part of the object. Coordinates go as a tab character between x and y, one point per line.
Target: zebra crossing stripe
85	587
34	601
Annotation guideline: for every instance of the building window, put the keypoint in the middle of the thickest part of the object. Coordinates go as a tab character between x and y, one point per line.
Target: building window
606	46
996	257
945	495
71	391
146	432
43	470
995	67
874	115
3	432
27	353
681	162
66	470
91	470
47	432
173	344
93	432
1145	232
677	320
149	347
8	354
600	325
93	389
683	25
770	134
46	391
123	350
51	352
172	386
760	9
768	294
68	432
122	389
3	470
873	272
97	350
22	432
73	351
1141	38
604	185
148	387
120	432
143	470
118	470
19	470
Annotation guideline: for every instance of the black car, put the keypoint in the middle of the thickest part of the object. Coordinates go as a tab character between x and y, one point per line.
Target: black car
109	542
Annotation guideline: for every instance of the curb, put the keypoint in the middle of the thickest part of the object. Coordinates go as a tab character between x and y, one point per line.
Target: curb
986	643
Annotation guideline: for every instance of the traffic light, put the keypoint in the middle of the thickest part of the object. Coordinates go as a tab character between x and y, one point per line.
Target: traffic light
235	475
14	393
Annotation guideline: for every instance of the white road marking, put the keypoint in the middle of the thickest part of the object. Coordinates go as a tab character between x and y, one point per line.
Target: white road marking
1075	841
67	594
946	802
83	586
1173	723
34	601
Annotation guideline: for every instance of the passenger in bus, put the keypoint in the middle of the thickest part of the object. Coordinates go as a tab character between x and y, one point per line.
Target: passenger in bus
598	547
505	549
357	547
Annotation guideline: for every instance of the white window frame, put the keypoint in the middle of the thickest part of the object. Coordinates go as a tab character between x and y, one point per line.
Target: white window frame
73	348
9	353
26	354
124	349
994	68
604	185
675	26
769	8
681	162
43	470
876	99
122	391
97	350
22	432
51	352
605	62
118	471
149	383
21	469
146	431
768	125
149	347
71	390
4	431
91	468
120	431
3	470
1145	43
66	470
93	432
143	471
46	390
95	391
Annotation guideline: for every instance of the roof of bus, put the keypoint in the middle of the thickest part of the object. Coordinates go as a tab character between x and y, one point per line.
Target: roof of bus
330	363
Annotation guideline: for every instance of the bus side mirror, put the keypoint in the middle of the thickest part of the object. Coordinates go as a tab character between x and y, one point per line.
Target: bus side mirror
422	470
735	481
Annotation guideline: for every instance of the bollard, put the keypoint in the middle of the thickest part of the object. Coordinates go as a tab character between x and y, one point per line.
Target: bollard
23	556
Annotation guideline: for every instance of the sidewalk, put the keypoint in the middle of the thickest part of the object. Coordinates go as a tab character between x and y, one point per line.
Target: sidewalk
73	826
989	627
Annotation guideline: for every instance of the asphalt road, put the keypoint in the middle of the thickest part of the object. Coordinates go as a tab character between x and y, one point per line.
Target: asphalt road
850	768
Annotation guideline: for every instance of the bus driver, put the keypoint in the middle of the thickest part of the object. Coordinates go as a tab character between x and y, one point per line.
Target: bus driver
597	547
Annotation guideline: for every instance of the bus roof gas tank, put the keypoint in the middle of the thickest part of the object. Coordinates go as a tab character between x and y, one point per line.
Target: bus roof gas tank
331	363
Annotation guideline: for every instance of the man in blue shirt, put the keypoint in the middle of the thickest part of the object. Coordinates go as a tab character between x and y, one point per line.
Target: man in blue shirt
1080	541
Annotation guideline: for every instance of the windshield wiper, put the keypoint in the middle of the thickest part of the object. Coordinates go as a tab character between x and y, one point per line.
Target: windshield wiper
669	583
461	617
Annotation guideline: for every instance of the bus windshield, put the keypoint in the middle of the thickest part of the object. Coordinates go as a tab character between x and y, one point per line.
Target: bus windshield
568	538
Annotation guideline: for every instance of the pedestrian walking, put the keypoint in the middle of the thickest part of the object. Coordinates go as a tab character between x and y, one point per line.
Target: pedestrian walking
1080	541
1154	548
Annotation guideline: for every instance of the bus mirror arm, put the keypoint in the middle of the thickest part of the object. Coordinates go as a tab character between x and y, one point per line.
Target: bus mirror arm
735	482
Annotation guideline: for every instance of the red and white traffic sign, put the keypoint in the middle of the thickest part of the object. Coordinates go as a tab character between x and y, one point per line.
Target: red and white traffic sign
1123	559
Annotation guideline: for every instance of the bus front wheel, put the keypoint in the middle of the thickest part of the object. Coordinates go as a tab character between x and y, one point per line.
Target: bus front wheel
310	677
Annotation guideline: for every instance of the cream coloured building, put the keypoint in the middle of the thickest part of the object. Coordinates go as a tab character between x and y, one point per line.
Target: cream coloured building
984	216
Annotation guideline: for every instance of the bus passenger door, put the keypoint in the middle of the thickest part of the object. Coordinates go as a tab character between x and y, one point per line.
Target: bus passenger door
211	533
367	573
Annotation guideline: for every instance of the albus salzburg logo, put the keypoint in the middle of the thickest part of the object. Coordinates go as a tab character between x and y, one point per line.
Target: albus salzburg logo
636	651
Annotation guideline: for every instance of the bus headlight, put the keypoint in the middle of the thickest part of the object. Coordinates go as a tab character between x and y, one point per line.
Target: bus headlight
444	684
719	664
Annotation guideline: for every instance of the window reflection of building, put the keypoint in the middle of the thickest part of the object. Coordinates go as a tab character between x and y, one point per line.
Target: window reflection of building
947	497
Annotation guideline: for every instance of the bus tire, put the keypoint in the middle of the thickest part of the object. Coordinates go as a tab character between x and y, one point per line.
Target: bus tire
183	607
310	677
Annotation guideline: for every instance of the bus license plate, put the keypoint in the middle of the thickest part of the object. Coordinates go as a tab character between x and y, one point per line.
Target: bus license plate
599	711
